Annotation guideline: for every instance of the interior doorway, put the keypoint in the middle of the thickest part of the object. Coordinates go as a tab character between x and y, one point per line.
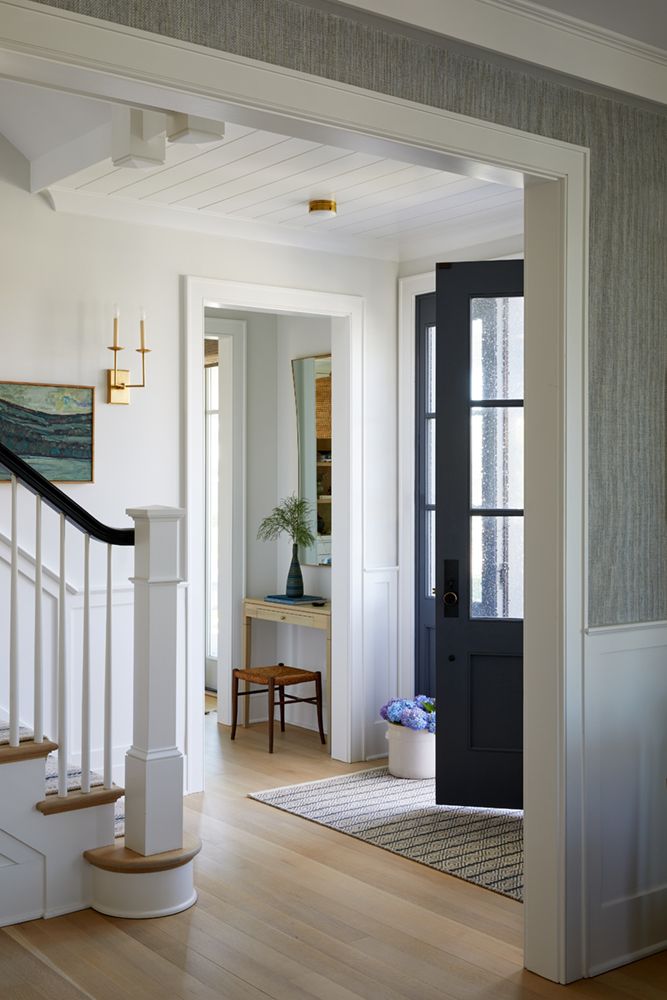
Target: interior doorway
151	72
259	452
344	316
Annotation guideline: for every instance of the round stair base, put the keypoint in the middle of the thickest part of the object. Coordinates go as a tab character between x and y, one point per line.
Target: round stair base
142	895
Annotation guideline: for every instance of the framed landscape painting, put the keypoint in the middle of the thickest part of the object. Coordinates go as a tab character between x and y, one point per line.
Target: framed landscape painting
50	427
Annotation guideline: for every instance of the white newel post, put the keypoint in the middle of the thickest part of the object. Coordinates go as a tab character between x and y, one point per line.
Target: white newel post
154	764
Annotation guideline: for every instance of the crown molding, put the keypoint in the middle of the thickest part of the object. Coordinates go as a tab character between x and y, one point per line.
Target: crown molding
526	31
581	28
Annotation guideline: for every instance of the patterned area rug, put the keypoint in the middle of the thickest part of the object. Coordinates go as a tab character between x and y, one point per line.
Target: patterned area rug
484	846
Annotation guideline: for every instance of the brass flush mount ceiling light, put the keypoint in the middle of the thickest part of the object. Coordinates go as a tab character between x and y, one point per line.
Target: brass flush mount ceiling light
322	208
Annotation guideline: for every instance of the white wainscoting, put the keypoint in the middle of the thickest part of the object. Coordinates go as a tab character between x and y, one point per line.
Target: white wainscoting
626	793
380	660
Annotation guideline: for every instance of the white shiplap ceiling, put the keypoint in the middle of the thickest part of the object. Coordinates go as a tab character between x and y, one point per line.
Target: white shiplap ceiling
256	185
263	182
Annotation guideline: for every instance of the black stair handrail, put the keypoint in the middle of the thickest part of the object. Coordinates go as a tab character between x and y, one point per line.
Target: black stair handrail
61	503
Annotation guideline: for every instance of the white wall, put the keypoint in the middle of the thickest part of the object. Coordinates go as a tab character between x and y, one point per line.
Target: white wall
62	275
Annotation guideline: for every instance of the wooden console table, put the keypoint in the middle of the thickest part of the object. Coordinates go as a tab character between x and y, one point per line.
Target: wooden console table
305	615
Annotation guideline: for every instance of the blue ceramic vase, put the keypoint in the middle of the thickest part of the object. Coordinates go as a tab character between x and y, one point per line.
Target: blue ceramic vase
294	578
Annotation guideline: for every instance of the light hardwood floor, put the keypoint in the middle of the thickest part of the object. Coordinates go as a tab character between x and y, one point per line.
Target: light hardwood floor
288	909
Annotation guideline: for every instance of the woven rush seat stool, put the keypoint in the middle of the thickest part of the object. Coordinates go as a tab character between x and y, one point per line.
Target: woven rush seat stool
280	677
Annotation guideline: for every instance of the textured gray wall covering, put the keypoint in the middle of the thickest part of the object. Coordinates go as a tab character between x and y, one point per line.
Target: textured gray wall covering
628	276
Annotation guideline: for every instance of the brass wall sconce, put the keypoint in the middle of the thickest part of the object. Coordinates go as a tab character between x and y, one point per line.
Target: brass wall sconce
118	379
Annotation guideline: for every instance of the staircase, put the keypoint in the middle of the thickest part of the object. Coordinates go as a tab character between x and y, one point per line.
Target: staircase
58	824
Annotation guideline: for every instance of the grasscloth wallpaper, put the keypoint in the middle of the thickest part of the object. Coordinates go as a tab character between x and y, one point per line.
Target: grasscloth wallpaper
628	273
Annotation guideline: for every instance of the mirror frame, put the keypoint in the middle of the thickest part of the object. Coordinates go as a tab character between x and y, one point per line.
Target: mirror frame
309	556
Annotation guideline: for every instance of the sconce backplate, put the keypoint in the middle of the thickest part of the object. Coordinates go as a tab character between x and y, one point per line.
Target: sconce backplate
114	394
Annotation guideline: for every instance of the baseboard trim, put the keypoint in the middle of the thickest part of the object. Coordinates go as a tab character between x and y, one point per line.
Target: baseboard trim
60	911
22	918
631	956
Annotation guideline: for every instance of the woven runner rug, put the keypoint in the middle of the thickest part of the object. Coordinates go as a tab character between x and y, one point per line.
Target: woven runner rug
484	846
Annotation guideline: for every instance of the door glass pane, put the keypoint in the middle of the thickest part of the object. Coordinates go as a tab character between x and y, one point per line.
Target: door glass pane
429	517
496	567
496	352
430	369
430	460
496	456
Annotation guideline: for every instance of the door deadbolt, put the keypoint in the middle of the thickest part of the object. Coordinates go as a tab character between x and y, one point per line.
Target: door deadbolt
450	597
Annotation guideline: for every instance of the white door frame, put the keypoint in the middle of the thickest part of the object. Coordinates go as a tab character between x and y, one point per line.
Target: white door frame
231	337
347	669
46	45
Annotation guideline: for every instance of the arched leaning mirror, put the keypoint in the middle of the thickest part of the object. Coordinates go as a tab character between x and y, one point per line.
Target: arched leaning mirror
312	389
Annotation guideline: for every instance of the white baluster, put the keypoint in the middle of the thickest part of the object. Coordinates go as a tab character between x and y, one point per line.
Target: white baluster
85	672
14	706
62	669
38	723
107	678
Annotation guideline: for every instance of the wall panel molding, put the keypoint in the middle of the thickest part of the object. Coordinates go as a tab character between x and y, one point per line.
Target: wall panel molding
625	794
381	680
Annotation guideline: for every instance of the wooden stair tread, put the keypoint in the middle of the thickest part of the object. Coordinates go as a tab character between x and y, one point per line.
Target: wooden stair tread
26	750
118	858
79	800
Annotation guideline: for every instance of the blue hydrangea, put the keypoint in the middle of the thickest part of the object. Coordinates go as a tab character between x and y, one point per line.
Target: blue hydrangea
414	718
396	708
428	704
414	713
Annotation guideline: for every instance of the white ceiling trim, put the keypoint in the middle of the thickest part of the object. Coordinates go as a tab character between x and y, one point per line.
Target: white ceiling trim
527	31
63	161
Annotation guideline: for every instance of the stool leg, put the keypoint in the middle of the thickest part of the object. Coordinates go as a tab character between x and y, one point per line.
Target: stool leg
318	695
281	689
235	702
272	708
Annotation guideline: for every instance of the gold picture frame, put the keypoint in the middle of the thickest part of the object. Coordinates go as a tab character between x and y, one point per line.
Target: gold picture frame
51	426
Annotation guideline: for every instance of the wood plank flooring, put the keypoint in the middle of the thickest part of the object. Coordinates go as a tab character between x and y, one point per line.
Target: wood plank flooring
291	910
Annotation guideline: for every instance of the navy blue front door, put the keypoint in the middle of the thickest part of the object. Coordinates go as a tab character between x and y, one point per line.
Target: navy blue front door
479	533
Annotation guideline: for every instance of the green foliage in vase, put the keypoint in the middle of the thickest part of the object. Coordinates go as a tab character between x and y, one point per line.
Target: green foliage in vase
292	516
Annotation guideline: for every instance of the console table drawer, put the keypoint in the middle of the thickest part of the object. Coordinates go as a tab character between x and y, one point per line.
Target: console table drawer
287	615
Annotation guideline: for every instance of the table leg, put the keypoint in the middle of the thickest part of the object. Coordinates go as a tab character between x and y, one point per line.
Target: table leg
247	623
328	684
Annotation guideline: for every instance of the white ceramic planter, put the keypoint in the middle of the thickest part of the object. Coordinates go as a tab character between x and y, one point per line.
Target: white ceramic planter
411	752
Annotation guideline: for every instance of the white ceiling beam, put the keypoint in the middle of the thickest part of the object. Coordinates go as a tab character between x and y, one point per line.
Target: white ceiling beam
190	128
63	161
137	138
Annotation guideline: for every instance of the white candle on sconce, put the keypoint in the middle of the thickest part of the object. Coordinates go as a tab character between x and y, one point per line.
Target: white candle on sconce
116	317
142	328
